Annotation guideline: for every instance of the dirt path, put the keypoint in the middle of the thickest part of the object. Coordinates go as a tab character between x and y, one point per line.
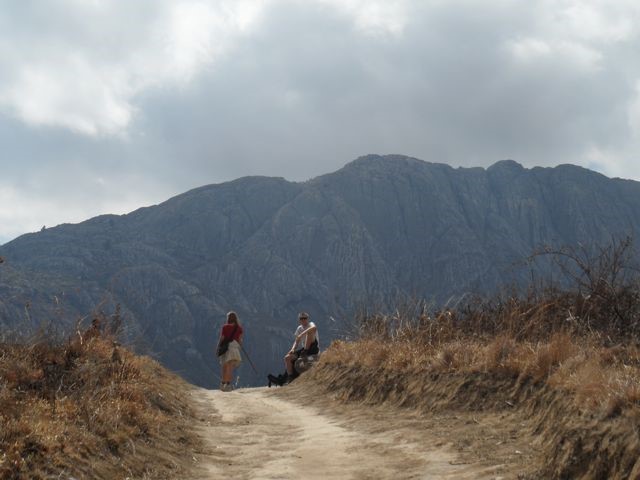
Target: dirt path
260	434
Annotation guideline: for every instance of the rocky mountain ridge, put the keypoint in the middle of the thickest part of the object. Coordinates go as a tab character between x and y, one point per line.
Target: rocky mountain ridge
380	228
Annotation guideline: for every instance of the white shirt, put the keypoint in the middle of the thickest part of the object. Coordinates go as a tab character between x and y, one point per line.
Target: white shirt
303	341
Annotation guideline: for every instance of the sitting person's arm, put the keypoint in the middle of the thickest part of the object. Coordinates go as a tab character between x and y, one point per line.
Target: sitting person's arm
310	332
293	347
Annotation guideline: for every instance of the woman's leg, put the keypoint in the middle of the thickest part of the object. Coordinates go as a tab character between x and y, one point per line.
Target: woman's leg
227	372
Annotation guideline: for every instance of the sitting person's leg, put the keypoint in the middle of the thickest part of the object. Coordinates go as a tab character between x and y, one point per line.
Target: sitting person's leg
290	360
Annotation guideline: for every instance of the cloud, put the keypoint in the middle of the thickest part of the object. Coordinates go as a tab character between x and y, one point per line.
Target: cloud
453	85
374	17
529	50
634	113
40	95
84	73
158	96
47	199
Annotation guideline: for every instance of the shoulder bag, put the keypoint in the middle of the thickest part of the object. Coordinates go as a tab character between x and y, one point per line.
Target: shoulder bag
223	344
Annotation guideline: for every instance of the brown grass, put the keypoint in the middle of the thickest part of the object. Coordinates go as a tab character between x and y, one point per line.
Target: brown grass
552	360
88	408
583	341
596	377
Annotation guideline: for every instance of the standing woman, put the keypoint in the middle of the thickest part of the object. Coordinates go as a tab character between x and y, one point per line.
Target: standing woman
232	334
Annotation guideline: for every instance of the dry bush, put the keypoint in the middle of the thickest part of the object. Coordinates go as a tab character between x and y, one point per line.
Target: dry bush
599	382
598	297
499	353
88	408
549	356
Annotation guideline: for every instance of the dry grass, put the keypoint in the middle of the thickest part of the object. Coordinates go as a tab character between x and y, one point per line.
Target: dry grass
538	338
87	408
596	378
583	338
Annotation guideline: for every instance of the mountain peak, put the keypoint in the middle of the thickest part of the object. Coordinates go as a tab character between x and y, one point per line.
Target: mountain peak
386	163
506	164
375	159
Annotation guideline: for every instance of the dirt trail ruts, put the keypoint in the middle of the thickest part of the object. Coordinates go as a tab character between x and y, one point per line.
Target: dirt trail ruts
258	433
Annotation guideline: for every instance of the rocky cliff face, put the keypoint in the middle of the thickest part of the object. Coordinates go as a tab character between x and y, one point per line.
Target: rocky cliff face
379	228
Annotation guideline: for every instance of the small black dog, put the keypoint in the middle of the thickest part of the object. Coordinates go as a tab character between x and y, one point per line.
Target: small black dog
280	380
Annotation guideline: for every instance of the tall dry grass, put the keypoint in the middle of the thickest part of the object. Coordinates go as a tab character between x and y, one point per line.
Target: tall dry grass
582	336
576	365
88	408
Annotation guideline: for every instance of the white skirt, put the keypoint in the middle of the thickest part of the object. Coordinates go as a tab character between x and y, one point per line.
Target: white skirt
232	354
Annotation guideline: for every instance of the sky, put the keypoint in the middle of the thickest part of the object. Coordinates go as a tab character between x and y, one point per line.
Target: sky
107	106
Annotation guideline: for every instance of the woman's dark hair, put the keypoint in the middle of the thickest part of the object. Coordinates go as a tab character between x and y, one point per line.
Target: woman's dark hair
232	317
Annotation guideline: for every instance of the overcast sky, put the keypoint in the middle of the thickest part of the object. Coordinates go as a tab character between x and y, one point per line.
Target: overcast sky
106	106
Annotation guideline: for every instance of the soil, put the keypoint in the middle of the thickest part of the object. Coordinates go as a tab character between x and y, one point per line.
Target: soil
292	432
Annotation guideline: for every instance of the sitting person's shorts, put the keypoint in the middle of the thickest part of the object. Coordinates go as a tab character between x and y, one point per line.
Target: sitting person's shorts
313	349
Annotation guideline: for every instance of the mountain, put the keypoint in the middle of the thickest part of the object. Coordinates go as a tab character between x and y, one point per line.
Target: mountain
380	228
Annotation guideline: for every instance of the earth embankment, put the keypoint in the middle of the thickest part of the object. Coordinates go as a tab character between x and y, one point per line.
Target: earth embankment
532	429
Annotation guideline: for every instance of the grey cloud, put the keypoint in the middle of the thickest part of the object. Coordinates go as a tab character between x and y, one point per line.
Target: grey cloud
305	93
305	90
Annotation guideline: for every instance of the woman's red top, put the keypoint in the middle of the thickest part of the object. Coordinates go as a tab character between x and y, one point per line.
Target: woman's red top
227	330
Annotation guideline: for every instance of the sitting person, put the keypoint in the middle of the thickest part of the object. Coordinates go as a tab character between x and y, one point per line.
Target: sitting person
307	342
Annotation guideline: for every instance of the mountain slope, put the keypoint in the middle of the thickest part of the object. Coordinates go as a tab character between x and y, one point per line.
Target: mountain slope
380	227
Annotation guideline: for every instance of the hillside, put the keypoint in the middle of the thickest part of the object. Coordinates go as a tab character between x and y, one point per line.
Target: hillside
380	228
84	407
